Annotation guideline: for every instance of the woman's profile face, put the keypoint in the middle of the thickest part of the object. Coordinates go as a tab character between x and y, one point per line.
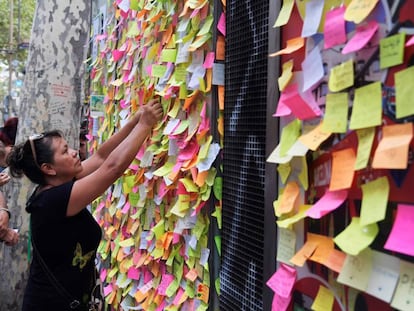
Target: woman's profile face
66	162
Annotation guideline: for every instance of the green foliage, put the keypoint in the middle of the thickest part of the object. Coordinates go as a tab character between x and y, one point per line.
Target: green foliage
22	28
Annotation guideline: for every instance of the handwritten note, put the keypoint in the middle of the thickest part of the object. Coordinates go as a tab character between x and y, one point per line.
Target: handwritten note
356	270
362	36
404	85
286	245
355	237
365	140
314	138
400	239
334	29
335	119
392	150
392	50
341	76
367	102
330	201
374	200
358	10
343	163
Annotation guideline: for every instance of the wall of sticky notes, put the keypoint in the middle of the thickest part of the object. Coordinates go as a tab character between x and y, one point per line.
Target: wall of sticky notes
345	208
156	252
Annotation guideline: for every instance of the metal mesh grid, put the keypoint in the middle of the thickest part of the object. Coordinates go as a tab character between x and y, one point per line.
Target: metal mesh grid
244	155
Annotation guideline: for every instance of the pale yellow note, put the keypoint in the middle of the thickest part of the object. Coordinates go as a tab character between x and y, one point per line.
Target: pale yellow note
355	237
404	86
287	222
341	76
336	113
358	10
367	102
374	200
286	245
392	151
342	175
303	175
404	295
287	74
314	138
292	45
356	270
365	140
324	300
284	170
284	13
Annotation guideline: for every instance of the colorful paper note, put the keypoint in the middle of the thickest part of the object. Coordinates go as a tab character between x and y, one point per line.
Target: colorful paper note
292	46
392	50
367	102
365	140
355	237
283	280
303	108
335	119
284	13
287	222
286	245
356	270
404	85
290	134
289	198
392	150
312	68
341	76
362	36
286	76
343	163
324	300
312	19
404	295
330	201
358	10
334	29
401	239
374	201
314	138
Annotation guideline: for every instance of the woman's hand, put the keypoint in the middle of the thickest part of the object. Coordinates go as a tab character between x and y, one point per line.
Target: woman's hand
4	224
11	238
151	113
4	179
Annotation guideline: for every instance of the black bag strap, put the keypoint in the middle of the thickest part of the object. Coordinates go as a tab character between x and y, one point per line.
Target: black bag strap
73	303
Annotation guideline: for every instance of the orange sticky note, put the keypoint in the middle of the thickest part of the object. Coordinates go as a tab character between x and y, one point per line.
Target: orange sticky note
343	163
325	245
304	253
392	150
203	292
289	198
220	48
191	275
335	260
314	138
292	45
220	89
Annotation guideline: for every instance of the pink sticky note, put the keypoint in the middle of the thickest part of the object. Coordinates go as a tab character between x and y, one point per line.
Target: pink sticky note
283	280
126	207
221	26
334	30
102	275
298	105
189	151
401	238
134	273
361	37
107	290
208	62
410	42
117	54
280	303
166	280
282	109
330	201
178	296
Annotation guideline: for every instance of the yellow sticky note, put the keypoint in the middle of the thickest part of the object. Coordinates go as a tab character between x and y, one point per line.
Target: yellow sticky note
314	138
404	85
356	270
303	175
342	175
392	150
367	102
287	222
284	13
392	50
290	134
336	113
358	10
341	76
355	237
165	169
365	140
284	170
324	300
286	76
404	296
374	200
158	71
286	245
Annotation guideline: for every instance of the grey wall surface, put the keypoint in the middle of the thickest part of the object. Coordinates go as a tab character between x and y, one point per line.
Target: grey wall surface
51	98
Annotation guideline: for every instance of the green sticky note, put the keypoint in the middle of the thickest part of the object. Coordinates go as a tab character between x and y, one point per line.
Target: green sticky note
341	76
165	169
365	140
169	55
158	229
218	188
356	237
392	50
284	170
180	73
158	70
206	27
217	214
404	86
336	113
134	5
217	286
374	200
290	134
172	288
217	240
367	102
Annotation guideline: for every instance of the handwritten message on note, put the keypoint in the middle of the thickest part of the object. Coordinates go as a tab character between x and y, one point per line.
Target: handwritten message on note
404	85
392	50
334	29
358	10
374	200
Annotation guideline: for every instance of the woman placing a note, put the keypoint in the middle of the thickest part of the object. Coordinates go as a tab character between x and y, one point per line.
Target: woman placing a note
65	236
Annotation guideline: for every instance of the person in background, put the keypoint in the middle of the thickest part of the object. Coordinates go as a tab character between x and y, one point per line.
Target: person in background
83	144
65	236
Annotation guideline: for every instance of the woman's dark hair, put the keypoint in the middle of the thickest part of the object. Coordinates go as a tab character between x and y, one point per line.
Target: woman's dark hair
8	131
21	161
